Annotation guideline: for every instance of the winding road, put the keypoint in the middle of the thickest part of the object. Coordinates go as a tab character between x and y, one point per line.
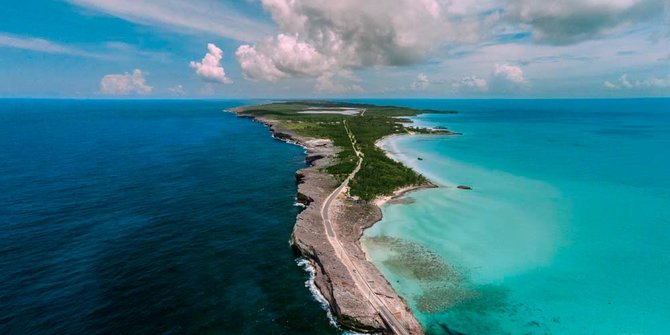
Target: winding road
375	301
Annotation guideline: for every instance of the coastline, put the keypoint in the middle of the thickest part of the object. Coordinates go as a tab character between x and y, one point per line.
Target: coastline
400	192
351	308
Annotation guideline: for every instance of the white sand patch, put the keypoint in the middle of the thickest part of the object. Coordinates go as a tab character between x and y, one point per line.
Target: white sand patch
337	110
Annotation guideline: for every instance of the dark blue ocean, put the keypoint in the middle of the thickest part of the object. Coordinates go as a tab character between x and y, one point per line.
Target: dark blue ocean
147	217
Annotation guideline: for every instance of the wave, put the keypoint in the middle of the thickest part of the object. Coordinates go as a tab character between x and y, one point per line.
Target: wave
309	283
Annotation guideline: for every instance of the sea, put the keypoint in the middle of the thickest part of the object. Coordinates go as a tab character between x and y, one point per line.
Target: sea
148	217
173	217
566	229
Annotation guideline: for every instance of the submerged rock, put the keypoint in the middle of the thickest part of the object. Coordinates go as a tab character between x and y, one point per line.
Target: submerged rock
463	187
401	201
449	331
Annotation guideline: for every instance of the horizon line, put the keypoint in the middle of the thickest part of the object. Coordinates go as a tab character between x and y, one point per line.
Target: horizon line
134	98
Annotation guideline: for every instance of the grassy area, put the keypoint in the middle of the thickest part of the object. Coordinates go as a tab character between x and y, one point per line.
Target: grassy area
379	175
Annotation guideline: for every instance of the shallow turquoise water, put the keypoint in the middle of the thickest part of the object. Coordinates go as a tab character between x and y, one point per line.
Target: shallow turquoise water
566	230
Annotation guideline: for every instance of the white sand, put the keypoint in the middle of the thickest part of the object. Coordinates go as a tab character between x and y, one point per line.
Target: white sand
340	111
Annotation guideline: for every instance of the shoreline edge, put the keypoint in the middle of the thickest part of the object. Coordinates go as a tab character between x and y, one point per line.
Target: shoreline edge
351	309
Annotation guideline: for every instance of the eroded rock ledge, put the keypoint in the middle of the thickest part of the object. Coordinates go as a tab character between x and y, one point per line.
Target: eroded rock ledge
347	302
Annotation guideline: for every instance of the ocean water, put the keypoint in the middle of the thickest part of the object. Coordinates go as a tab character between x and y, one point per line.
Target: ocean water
147	217
566	230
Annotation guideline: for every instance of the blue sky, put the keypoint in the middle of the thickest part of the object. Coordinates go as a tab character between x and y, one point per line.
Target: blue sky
347	48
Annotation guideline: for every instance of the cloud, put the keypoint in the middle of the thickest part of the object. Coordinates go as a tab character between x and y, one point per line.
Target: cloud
332	36
207	16
103	51
210	69
330	82
421	82
621	83
654	83
572	21
316	37
124	84
282	57
471	83
129	51
42	45
256	65
177	90
624	83
511	73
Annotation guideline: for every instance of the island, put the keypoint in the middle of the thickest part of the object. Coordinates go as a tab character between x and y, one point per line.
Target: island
342	189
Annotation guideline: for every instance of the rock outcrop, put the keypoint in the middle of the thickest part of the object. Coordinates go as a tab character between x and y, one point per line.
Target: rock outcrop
352	309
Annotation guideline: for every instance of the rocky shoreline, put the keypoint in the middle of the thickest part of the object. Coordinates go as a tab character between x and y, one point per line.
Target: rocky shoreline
347	302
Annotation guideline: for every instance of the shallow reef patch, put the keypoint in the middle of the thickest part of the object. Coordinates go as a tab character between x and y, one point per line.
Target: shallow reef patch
442	286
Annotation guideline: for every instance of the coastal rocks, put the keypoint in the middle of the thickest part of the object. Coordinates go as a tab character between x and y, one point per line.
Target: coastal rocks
299	178
311	158
284	137
317	143
349	303
350	219
303	199
350	307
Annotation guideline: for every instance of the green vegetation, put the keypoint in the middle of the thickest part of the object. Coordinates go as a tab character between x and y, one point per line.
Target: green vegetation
379	175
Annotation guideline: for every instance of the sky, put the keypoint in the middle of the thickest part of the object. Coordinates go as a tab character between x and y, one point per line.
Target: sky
326	48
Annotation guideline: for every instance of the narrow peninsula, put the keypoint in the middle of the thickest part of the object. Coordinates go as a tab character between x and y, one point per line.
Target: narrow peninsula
348	178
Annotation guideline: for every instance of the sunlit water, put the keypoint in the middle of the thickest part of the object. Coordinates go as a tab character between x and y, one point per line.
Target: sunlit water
566	230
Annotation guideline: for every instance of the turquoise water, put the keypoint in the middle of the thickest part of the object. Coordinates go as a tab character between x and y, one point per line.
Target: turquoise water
566	230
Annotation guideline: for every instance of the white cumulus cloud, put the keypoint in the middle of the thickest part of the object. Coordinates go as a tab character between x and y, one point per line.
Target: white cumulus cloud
421	82
512	73
472	83
282	57
624	83
124	84
177	90
318	36
210	68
